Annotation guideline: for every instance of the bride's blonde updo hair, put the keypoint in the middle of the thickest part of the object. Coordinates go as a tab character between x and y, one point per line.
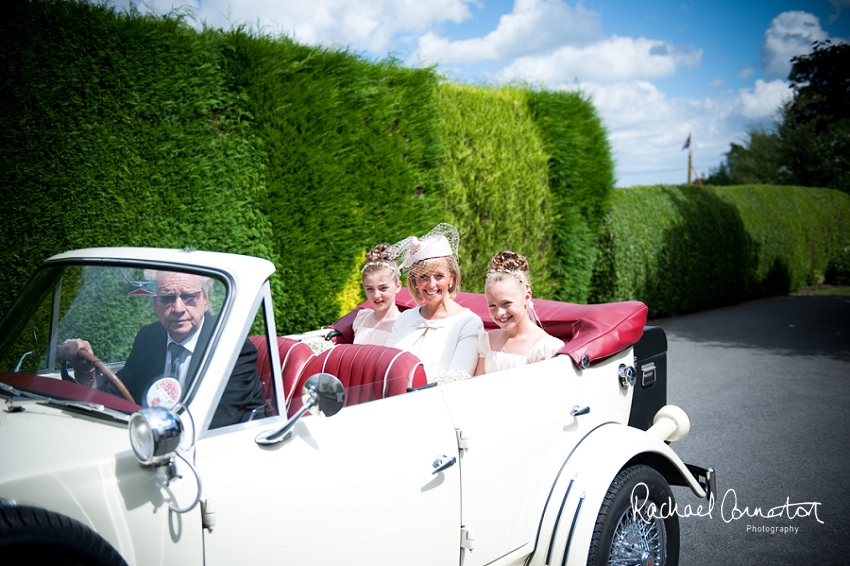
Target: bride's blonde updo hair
509	266
380	258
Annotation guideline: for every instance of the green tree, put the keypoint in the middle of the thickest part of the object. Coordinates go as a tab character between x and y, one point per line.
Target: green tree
811	142
719	175
759	160
815	125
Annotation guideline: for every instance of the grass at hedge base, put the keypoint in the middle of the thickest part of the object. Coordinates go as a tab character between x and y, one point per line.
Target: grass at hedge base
824	291
687	248
494	173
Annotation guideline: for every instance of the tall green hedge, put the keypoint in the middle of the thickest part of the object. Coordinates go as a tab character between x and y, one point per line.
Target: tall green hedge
119	130
352	150
581	176
495	175
682	249
127	129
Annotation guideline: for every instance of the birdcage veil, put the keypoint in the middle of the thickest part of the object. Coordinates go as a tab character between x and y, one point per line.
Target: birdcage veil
441	241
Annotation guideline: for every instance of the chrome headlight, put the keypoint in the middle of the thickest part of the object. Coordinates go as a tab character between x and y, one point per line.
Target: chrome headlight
155	435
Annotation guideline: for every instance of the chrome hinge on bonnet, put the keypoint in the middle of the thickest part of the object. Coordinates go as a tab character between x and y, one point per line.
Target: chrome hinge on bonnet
208	514
462	440
466	539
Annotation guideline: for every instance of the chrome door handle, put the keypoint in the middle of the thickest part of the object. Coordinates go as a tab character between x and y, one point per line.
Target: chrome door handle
443	462
577	411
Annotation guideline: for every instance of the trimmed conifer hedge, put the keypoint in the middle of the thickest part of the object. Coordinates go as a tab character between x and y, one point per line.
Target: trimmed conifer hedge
119	130
124	129
494	173
352	149
686	248
581	176
134	130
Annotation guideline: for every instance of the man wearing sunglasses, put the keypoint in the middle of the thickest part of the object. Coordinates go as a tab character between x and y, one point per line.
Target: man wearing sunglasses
174	345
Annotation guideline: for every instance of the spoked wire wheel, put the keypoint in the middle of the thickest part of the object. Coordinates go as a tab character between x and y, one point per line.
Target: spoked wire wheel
638	542
626	532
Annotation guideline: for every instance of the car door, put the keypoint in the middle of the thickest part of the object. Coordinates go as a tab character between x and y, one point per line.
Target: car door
517	428
355	488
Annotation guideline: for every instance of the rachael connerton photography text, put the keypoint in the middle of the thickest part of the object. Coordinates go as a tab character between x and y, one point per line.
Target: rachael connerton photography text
730	510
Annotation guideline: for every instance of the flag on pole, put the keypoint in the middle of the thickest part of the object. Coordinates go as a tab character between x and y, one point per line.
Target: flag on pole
687	143
694	169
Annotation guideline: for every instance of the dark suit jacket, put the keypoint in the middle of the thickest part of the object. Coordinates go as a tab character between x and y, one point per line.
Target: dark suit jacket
146	361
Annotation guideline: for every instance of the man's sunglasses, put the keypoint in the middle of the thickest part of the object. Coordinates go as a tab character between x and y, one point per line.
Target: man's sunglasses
190	299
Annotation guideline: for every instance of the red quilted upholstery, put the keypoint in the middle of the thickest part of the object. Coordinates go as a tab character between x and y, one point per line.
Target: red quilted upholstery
367	372
294	355
595	331
264	371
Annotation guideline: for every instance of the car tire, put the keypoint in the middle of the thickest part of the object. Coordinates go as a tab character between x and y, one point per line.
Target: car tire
633	534
39	536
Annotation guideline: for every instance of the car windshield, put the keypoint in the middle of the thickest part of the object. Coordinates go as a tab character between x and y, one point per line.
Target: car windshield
102	334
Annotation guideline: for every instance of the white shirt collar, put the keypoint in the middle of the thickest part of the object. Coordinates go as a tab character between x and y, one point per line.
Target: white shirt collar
190	341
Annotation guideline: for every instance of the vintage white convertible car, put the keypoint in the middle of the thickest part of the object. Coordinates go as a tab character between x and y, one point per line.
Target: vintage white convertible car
566	461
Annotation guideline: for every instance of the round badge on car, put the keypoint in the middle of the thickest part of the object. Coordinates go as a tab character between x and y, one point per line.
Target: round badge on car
164	392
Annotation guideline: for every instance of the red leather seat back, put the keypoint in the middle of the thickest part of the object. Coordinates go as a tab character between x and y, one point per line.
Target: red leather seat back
367	372
294	355
264	372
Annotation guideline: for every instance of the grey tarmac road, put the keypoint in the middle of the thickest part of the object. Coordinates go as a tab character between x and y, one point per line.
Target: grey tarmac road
767	387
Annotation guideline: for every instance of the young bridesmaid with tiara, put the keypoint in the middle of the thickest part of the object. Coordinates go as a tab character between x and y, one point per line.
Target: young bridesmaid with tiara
380	283
518	340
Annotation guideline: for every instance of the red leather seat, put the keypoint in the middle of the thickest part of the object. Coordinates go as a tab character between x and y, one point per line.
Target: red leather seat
367	372
294	355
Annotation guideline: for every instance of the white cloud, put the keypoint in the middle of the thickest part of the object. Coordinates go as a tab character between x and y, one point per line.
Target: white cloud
762	100
370	25
838	5
613	60
534	26
790	34
647	128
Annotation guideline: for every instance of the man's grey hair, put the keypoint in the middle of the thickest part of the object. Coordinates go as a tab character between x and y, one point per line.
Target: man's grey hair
206	283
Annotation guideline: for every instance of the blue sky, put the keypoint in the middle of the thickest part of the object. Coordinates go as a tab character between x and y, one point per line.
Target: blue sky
656	70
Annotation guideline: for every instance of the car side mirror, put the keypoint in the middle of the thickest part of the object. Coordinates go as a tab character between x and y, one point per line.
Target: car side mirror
322	392
325	392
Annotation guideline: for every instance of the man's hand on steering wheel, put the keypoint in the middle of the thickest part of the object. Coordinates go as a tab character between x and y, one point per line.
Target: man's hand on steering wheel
71	351
80	355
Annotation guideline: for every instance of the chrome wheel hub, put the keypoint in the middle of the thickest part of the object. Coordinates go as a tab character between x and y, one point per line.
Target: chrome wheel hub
637	542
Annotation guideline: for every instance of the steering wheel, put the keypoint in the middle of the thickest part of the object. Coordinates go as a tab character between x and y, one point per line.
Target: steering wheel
110	375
